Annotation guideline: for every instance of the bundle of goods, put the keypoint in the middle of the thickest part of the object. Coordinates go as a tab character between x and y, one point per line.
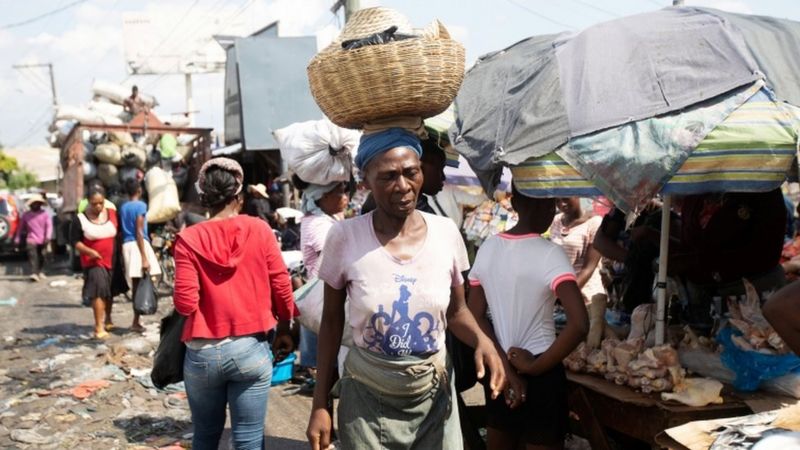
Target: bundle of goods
117	93
111	158
164	202
489	219
380	68
318	151
747	351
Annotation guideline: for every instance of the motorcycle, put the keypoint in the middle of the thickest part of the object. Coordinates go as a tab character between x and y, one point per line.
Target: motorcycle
163	243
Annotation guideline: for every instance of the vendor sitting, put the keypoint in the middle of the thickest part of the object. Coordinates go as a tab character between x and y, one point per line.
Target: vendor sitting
727	237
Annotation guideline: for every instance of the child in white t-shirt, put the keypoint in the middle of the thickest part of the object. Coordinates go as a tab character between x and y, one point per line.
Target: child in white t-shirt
519	275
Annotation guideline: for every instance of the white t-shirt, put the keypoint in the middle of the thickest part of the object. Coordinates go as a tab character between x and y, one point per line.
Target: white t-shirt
397	307
519	275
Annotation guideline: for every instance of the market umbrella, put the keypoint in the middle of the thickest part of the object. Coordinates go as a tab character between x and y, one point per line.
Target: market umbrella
751	150
532	98
660	84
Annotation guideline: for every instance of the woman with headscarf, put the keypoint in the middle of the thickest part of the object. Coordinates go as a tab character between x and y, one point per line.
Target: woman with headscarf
323	206
400	270
233	287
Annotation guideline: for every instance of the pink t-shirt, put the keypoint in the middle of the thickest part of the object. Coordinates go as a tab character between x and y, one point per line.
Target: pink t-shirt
313	231
397	307
576	242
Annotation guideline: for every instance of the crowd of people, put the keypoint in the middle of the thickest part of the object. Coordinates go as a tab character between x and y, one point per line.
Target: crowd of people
397	278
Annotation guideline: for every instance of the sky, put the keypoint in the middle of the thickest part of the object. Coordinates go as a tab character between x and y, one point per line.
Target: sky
84	42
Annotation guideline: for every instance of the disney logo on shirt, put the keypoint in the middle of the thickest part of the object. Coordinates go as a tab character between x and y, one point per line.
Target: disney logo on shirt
397	333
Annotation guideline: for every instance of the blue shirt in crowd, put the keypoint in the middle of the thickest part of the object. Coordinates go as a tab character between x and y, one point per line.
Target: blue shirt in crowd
127	219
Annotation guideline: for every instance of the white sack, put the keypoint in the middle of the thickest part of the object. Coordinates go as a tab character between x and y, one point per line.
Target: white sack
164	203
117	93
318	151
85	115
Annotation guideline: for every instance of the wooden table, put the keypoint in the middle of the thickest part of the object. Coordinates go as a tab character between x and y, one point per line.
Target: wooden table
602	405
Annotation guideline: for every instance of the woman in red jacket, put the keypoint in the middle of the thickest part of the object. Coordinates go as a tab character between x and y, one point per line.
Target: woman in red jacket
233	287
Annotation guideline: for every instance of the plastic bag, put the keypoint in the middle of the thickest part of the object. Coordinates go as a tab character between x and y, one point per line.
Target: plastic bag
120	137
388	35
89	170
146	301
318	151
310	299
108	153
108	174
165	202
752	368
168	359
133	156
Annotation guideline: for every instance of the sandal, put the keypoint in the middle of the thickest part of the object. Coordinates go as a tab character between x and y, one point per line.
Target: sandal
109	326
101	336
140	329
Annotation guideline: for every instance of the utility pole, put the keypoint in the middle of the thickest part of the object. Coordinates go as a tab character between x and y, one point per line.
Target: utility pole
52	76
350	6
189	98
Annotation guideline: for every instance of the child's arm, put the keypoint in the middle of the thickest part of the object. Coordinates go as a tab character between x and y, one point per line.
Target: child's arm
572	335
516	384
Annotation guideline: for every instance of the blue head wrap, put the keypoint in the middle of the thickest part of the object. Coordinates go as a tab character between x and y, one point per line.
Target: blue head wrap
372	145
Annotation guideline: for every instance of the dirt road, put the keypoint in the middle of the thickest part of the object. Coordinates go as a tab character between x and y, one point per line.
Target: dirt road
61	389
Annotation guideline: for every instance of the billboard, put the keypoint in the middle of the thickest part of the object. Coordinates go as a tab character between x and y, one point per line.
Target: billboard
155	44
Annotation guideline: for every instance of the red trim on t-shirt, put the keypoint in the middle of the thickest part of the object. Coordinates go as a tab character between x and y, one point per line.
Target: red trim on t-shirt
569	276
474	283
518	236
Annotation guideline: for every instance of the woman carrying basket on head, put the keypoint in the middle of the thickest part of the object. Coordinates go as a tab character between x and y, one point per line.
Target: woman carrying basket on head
400	270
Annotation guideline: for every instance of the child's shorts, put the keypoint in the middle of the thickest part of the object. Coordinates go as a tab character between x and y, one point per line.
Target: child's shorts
543	419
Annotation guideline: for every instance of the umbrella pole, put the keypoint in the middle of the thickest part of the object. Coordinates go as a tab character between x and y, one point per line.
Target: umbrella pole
661	284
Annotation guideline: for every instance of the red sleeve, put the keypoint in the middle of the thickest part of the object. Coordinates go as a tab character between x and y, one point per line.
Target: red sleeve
187	284
280	283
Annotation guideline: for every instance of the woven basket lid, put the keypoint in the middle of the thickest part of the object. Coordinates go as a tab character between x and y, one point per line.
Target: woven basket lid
365	22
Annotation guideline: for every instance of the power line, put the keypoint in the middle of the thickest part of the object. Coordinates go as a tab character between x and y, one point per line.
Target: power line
42	16
597	8
540	15
33	128
177	24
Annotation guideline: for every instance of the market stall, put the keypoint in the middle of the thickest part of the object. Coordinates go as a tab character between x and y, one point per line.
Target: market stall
723	123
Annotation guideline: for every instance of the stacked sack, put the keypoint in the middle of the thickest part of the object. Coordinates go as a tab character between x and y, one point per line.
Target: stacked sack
112	158
106	107
381	72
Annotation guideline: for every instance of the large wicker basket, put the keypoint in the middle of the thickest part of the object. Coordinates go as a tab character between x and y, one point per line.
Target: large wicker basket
413	77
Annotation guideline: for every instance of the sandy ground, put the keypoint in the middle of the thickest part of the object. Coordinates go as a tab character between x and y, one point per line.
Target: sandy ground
46	350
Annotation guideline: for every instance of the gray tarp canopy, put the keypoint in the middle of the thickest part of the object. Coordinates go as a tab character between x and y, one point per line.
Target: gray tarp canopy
531	98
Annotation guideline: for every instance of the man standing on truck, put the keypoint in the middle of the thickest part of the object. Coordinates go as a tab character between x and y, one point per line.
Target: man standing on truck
134	104
37	228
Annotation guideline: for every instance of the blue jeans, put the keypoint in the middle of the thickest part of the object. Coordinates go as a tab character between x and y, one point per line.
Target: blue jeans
237	373
308	347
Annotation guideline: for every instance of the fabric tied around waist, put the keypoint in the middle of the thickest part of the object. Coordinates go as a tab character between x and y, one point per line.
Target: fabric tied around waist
405	376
